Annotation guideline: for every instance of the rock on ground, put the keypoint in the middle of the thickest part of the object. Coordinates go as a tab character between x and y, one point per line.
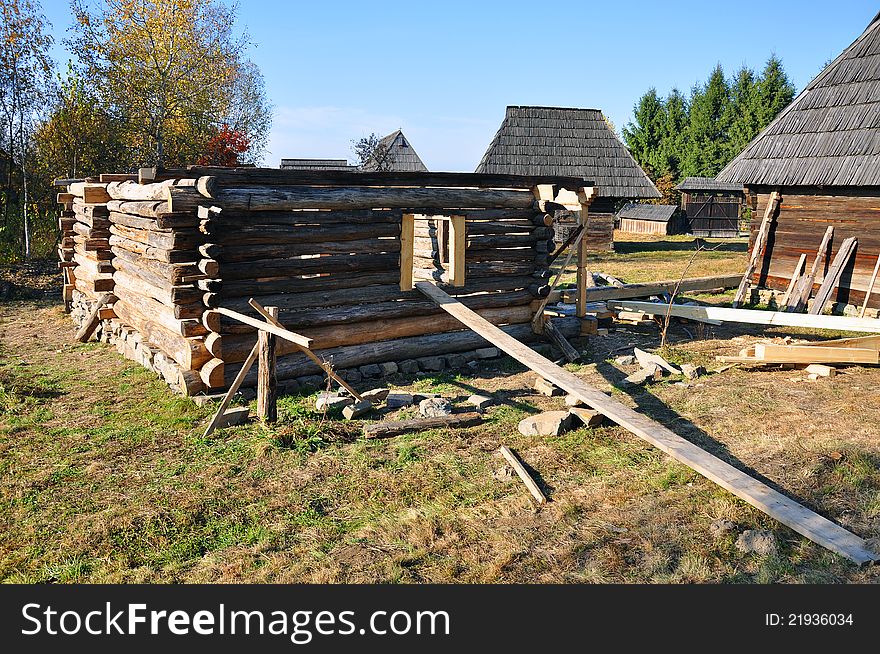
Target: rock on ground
480	401
550	423
588	417
435	407
625	360
396	400
757	541
721	527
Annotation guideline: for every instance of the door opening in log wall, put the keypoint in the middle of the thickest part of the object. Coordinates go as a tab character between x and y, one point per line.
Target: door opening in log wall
433	249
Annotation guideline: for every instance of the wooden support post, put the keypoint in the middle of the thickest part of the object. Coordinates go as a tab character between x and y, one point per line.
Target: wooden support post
538	319
407	229
584	276
870	288
758	249
314	357
457	245
784	509
91	324
267	381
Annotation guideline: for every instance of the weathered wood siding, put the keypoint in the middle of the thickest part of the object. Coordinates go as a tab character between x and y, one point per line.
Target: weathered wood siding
643	226
804	215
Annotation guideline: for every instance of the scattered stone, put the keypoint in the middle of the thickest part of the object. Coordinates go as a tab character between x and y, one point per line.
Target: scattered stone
473	364
204	400
812	376
435	407
691	371
376	395
233	417
357	409
546	388
481	401
353	376
588	417
625	360
370	370
332	401
550	423
409	367
645	375
645	360
757	541
456	361
396	400
487	353
388	368
431	364
721	527
573	400
820	370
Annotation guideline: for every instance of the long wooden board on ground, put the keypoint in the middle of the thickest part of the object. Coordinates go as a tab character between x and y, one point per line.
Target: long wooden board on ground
751	316
807	523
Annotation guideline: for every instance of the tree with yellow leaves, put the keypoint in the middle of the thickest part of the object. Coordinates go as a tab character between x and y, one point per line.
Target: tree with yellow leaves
168	71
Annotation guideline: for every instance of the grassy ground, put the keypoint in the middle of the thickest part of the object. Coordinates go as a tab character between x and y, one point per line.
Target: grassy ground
104	475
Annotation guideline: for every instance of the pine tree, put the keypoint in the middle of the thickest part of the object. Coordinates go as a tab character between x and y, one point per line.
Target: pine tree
644	134
774	92
674	133
705	152
744	124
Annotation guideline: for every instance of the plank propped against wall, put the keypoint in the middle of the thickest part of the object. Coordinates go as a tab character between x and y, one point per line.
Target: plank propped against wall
758	249
807	523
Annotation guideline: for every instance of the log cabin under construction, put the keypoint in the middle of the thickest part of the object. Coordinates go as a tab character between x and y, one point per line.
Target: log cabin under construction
822	155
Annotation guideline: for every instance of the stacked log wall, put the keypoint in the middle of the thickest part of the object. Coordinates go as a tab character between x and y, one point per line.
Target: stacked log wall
803	217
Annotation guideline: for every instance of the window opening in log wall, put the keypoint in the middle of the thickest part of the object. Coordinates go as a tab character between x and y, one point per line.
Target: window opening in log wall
432	248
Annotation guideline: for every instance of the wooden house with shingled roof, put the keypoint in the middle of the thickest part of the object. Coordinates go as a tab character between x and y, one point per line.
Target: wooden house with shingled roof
395	153
656	219
573	143
822	154
712	208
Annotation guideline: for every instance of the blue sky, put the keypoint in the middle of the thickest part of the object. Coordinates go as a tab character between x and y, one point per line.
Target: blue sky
445	71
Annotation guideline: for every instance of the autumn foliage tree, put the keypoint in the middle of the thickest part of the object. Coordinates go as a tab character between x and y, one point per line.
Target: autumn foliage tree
225	148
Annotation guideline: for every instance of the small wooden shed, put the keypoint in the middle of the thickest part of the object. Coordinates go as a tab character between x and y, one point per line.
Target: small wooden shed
648	219
571	143
712	208
822	154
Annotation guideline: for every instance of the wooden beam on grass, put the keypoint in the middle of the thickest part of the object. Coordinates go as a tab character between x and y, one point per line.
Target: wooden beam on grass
758	249
784	509
751	316
844	254
520	470
773	353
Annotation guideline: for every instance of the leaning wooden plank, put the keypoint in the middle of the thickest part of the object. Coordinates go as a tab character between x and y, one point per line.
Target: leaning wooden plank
293	337
520	470
561	342
388	429
233	389
807	523
91	324
801	295
844	254
795	276
870	288
810	354
752	316
758	249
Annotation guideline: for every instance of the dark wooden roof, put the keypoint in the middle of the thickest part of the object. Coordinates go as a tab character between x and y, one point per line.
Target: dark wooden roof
830	134
398	155
708	184
569	142
660	213
314	164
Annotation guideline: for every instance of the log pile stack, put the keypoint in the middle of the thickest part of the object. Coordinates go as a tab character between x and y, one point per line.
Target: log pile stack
326	252
85	238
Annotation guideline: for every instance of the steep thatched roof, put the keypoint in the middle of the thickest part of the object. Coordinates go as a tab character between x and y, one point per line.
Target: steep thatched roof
708	184
830	134
395	153
659	213
566	142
